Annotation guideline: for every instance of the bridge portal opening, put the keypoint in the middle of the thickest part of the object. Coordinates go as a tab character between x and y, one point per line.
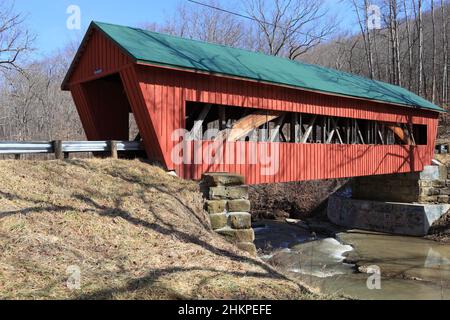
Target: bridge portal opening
111	110
207	122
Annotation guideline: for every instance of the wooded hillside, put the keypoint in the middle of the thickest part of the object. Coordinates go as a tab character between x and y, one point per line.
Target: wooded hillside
409	47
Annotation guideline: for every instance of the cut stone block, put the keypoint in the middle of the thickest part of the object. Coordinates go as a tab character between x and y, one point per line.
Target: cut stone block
427	199
248	247
443	172
218	221
222	179
439	184
237	236
429	192
228	193
426	183
240	220
215	206
239	206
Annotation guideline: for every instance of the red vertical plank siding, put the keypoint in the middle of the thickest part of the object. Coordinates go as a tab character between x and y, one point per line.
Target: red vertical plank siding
103	113
100	57
297	161
84	111
140	98
157	96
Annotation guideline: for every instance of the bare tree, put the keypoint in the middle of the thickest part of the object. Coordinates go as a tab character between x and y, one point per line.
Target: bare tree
363	21
395	26
419	24
32	105
286	28
433	57
409	43
14	37
369	39
391	19
290	27
205	24
445	54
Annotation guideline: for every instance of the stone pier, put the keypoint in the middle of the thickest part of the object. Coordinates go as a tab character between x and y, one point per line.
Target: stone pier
228	206
405	204
432	185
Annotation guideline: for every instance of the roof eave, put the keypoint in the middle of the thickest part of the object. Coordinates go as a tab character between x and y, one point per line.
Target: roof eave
178	68
64	84
93	26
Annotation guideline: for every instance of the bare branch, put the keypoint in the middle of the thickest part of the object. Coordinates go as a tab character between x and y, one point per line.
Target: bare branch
15	39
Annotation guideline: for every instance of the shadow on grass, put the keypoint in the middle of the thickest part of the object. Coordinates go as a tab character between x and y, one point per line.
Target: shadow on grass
149	283
160	225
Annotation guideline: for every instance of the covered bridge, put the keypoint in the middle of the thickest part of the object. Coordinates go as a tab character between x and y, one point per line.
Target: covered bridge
202	107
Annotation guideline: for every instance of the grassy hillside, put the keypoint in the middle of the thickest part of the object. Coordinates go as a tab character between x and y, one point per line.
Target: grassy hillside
134	232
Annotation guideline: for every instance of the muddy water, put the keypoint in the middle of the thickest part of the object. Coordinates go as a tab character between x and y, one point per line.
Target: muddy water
411	268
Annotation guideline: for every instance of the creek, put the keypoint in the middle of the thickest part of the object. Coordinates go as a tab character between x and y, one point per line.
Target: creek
343	265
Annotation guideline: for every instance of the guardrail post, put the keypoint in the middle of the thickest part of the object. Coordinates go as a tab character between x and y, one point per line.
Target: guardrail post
58	149
113	149
17	156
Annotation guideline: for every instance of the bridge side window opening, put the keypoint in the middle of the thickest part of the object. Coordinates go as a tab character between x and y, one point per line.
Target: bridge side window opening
210	122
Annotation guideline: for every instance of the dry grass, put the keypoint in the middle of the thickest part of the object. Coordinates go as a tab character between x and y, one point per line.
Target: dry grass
134	232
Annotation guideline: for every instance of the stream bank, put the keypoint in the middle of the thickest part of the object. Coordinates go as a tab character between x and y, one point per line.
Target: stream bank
440	230
335	263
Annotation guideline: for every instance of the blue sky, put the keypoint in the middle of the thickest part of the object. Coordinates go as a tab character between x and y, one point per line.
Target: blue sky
47	18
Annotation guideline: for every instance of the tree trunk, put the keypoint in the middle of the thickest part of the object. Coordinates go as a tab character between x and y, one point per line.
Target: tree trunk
433	59
364	27
445	54
369	41
420	27
392	43
409	43
397	44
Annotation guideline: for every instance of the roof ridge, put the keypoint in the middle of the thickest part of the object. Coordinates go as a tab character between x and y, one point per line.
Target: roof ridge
201	41
193	54
250	51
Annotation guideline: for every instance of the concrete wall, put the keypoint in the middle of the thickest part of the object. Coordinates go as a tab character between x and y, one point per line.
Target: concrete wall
405	204
395	218
227	203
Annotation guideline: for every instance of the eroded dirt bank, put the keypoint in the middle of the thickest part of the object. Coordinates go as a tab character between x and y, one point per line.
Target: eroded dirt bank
297	200
440	230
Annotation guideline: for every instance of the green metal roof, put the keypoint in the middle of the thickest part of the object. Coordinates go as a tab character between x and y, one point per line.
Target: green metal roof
161	49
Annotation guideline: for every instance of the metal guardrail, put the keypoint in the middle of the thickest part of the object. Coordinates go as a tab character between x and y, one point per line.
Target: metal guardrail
46	147
25	147
99	146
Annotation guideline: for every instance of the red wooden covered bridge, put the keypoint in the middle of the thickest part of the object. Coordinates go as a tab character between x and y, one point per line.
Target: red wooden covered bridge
202	108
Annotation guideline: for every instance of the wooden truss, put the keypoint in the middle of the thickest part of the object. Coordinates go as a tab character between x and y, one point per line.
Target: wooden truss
278	126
